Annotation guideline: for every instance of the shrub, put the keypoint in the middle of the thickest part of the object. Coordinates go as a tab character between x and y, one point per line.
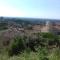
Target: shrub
17	46
48	35
43	54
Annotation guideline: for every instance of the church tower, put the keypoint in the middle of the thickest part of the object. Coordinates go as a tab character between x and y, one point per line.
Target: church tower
46	28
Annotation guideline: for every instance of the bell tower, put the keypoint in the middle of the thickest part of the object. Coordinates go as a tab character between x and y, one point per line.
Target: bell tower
46	28
47	25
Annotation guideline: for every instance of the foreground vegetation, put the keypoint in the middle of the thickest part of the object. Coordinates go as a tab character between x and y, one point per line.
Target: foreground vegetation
38	46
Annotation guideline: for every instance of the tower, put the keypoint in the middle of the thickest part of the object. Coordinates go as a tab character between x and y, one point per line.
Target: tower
47	26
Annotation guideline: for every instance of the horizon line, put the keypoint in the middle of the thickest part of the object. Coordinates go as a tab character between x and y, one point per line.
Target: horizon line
29	17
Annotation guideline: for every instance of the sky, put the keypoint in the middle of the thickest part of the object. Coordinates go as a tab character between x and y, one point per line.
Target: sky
30	8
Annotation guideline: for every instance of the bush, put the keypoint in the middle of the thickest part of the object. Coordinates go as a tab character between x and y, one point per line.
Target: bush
24	43
17	46
43	54
48	35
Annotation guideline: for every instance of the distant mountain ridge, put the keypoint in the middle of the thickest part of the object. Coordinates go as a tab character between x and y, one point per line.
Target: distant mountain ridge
27	20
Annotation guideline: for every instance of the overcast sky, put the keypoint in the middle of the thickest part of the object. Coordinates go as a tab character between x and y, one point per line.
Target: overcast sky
30	8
